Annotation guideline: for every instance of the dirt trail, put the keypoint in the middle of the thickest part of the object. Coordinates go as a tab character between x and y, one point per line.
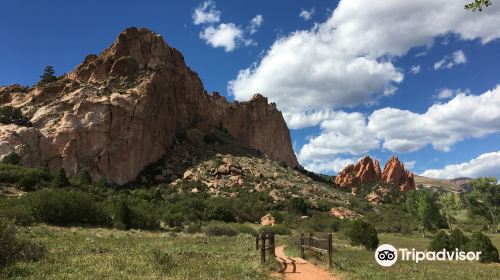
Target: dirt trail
305	270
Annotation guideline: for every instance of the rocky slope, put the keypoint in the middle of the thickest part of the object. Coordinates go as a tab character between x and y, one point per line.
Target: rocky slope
367	171
122	110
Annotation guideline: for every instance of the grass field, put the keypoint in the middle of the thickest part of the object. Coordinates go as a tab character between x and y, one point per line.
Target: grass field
111	254
90	253
357	263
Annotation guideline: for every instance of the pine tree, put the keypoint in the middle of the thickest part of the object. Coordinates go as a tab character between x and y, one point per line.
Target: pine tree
48	75
60	180
85	178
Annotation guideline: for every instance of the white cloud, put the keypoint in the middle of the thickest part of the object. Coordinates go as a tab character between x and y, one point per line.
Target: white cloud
347	60
206	13
415	69
335	165
307	14
447	93
442	125
255	23
224	35
486	165
409	164
448	62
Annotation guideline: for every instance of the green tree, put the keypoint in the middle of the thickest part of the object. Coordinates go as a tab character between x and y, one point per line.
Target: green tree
478	5
458	239
60	180
12	158
450	204
85	178
440	241
481	243
363	233
484	200
298	205
423	207
48	75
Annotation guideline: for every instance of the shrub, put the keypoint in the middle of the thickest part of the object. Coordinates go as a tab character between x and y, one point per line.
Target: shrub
85	178
162	261
481	243
320	223
193	228
66	207
11	158
143	216
14	248
440	241
17	211
221	230
244	229
277	230
11	115
28	183
298	205
363	233
458	239
60	180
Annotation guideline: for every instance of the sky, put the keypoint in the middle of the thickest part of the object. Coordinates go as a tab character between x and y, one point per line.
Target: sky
417	79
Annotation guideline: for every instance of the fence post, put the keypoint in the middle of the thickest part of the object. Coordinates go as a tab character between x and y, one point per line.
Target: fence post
310	240
330	251
263	249
302	246
271	244
257	242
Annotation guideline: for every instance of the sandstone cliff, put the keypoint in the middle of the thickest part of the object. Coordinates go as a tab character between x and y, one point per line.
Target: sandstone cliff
368	171
122	110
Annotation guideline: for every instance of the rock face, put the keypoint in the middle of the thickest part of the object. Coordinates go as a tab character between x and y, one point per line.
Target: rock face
344	213
368	171
122	110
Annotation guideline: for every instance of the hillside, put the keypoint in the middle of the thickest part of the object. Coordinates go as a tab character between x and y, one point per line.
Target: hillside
458	185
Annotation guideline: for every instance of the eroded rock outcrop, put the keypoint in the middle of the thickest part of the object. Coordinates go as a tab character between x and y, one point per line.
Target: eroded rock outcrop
368	171
122	110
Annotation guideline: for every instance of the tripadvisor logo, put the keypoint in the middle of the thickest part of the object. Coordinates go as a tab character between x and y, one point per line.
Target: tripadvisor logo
387	255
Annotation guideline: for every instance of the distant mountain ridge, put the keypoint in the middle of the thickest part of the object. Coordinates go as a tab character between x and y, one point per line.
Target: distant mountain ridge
457	185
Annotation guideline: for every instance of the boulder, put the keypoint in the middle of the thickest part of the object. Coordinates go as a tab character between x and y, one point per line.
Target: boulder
344	213
267	220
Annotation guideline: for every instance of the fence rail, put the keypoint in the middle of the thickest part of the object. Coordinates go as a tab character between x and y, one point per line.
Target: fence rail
314	247
271	248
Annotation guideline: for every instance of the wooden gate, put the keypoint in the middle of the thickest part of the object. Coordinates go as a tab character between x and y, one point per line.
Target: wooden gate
314	246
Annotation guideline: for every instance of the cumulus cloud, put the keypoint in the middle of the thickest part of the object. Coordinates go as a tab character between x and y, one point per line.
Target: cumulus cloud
224	35
347	60
335	165
415	69
450	61
442	125
307	14
485	165
255	23
206	12
409	164
447	93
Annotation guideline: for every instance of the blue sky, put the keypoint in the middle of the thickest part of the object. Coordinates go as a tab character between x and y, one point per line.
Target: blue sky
413	78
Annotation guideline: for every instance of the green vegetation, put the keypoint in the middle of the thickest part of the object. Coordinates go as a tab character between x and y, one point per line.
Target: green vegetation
15	248
423	207
478	5
481	242
363	233
450	204
11	115
12	158
484	200
48	75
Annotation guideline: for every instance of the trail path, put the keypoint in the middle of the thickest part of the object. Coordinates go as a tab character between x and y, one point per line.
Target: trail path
305	269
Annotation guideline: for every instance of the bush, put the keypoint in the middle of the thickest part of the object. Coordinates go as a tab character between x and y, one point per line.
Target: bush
458	239
143	216
221	230
277	230
17	211
13	248
66	207
12	158
162	261
363	233
298	205
60	180
193	228
440	241
320	223
481	243
28	183
11	115
244	229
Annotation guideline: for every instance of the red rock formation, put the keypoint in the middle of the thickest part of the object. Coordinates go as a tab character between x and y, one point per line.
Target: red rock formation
367	171
120	111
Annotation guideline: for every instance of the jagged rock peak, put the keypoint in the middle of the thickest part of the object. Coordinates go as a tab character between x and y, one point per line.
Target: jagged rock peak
368	171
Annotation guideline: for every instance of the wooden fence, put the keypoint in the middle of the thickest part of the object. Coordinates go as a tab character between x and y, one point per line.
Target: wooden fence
313	245
260	243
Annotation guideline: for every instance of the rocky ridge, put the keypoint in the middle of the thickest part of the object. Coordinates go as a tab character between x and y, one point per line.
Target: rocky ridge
120	111
367	171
